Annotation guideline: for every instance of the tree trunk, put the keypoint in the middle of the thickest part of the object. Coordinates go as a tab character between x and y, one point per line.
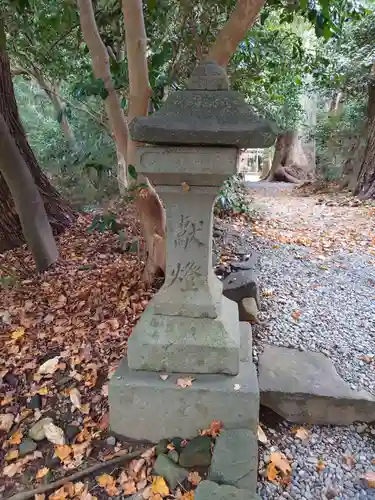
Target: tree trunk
234	31
150	209
365	187
101	68
29	204
58	210
289	162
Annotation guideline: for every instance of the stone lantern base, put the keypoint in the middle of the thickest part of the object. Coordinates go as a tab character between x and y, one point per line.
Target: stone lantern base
145	407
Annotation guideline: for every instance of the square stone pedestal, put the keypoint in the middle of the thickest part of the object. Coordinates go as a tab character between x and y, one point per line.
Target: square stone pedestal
145	407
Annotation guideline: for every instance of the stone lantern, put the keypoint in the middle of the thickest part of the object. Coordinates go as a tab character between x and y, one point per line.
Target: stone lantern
189	329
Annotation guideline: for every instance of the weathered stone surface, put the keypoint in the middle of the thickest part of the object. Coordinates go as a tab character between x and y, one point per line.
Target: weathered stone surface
27	446
197	453
197	167
186	345
37	432
142	406
235	459
248	310
248	262
199	117
172	473
246	341
304	387
241	284
208	490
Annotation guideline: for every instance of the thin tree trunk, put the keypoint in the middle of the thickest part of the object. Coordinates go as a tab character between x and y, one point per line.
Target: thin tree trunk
234	31
101	69
53	94
150	209
29	204
365	187
58	210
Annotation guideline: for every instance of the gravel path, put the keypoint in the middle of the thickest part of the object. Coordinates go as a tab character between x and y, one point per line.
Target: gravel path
318	262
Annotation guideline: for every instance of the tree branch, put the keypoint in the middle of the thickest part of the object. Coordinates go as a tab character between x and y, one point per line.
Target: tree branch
234	31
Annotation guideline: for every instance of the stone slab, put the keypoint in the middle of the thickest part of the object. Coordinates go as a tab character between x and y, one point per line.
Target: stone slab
208	490
143	406
235	459
240	285
186	345
246	336
304	387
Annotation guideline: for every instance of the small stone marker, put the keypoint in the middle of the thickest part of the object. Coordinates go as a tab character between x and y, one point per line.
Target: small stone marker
189	328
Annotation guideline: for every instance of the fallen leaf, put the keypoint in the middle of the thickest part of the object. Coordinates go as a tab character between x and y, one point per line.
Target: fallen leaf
75	398
104	421
59	494
271	472
62	451
188	495
366	358
11	455
194	478
268	292
6	421
320	466
159	486
185	382
17	334
40	496
185	187
13	469
16	438
54	434
296	315
261	435
302	434
107	482
369	478
43	391
6	401
164	377
42	472
281	462
237	387
129	487
49	366
215	427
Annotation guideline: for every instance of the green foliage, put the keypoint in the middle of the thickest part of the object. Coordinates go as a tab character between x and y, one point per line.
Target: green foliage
232	197
104	222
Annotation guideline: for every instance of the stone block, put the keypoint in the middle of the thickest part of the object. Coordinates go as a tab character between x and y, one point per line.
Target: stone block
235	459
143	406
248	310
241	284
304	387
186	345
208	490
246	336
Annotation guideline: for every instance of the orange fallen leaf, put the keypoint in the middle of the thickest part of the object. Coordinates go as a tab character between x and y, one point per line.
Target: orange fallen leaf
271	472
281	462
159	486
42	472
107	482
194	478
60	494
296	315
17	334
104	422
320	466
185	187
302	434
62	451
188	495
369	477
16	438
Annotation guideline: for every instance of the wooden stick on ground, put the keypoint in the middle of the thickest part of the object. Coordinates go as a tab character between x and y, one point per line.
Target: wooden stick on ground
25	495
